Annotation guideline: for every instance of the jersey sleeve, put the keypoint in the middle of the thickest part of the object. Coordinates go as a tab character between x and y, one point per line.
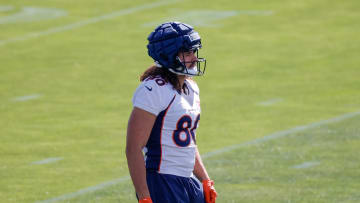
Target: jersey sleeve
149	97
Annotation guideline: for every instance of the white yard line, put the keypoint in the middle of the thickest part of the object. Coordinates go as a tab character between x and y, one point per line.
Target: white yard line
201	18
26	98
86	190
206	18
270	102
6	8
256	12
32	14
87	21
47	161
273	136
306	165
281	134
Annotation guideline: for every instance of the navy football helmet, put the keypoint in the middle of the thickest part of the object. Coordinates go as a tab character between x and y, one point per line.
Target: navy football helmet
170	38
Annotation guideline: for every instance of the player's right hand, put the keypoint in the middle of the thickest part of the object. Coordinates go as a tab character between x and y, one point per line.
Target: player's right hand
146	200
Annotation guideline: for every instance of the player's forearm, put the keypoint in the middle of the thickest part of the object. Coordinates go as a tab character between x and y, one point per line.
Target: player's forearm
137	170
199	168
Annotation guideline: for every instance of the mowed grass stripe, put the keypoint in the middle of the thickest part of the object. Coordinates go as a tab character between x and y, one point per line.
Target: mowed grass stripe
88	21
273	136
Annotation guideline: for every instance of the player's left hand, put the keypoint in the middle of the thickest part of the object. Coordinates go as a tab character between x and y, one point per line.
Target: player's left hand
209	191
146	200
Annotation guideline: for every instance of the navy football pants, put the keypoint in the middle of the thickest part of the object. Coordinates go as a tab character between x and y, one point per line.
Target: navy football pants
165	188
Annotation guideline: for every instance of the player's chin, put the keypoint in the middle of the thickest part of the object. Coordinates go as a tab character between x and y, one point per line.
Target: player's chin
192	66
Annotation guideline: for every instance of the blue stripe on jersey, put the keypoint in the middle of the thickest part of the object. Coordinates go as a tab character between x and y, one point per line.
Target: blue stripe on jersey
153	155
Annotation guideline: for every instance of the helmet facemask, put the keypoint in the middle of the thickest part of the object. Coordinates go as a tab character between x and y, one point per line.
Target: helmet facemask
197	67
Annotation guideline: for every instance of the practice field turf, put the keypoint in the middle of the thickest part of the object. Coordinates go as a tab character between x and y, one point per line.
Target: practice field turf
68	71
316	165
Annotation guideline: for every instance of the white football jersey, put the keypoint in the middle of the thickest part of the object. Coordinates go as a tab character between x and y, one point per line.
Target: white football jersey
171	146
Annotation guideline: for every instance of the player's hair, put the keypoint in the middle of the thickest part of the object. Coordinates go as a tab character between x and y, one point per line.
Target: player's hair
164	73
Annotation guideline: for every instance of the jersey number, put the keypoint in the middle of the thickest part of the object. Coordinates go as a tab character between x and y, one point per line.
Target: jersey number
159	81
184	132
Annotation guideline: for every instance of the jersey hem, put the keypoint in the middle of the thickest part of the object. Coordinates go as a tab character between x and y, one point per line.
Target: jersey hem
180	174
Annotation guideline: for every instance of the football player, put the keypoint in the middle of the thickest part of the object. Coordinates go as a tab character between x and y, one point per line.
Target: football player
162	125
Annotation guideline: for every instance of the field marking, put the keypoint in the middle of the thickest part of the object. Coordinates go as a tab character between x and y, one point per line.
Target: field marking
87	21
86	190
256	13
6	8
206	18
26	98
306	165
30	14
281	134
273	136
270	102
47	161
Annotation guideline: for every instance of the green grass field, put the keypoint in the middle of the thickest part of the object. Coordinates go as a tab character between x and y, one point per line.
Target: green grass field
66	84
